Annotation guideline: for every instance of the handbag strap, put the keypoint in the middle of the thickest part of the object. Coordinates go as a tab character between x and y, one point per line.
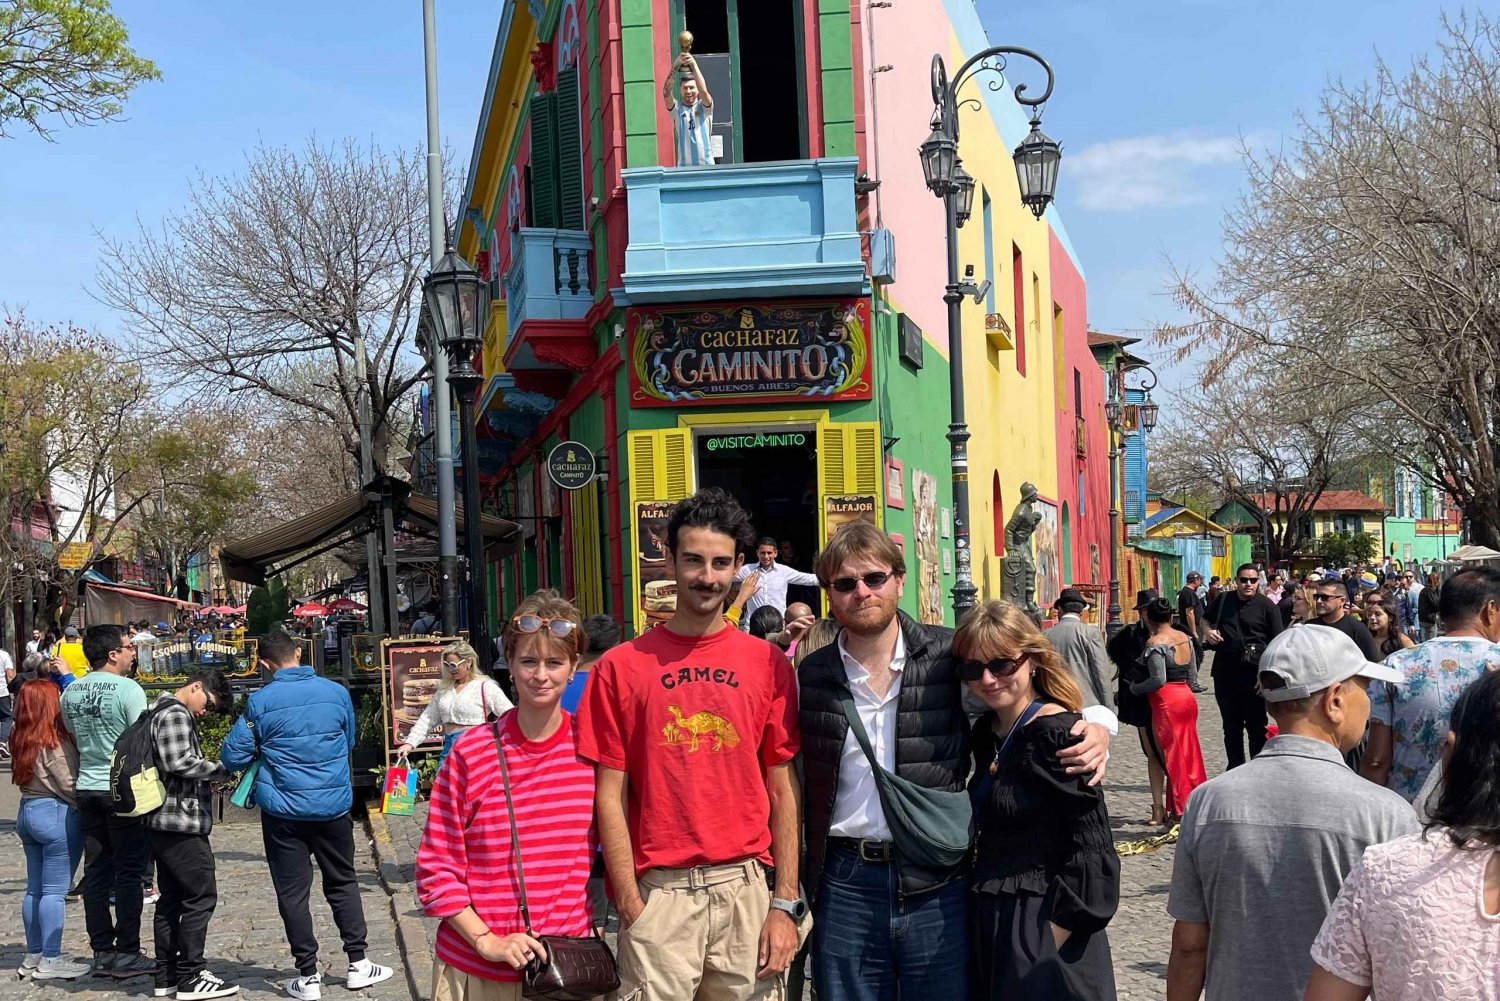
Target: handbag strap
1026	717
856	727
515	837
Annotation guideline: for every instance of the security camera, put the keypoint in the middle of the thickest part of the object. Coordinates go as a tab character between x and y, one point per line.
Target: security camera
982	291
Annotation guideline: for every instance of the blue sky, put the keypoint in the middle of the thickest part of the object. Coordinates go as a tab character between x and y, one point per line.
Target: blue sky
1151	100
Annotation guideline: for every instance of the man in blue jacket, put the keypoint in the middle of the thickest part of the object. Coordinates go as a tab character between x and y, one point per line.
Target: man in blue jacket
302	728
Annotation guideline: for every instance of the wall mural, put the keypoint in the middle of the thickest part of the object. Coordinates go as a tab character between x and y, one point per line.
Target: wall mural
926	575
1047	549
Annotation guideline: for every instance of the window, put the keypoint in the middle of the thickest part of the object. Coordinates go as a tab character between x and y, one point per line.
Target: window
1018	293
1059	360
987	215
555	176
753	68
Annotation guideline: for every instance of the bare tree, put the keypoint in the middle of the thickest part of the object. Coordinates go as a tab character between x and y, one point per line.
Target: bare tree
1369	251
1270	437
266	282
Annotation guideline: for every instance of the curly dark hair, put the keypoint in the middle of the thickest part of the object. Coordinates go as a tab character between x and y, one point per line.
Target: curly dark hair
716	509
1468	800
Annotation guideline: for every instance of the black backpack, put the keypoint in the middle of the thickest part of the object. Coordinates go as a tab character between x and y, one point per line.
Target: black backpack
135	784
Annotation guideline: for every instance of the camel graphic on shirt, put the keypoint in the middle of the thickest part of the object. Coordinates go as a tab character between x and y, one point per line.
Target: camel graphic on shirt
699	725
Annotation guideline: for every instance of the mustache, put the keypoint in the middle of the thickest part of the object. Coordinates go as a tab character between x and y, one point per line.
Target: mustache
708	589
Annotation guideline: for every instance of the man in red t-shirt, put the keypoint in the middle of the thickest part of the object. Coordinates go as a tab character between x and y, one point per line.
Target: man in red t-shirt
693	728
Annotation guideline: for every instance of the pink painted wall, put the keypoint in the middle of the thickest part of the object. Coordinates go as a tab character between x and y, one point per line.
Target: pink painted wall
1070	293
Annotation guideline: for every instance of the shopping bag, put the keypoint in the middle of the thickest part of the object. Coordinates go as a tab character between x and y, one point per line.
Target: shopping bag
400	791
241	795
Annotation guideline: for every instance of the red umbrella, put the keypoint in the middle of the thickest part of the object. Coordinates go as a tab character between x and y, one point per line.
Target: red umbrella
310	610
346	605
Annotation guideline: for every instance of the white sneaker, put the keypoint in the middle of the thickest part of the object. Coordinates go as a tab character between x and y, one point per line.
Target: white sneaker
150	895
28	965
60	968
366	974
306	988
205	986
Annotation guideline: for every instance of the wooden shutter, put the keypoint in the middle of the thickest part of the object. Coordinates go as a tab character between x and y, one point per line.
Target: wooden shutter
569	122
660	470
849	462
588	565
544	205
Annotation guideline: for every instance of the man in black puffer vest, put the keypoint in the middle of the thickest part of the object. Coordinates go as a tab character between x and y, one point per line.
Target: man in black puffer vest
909	698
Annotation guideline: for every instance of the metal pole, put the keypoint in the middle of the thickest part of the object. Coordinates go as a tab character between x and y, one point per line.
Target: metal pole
473	537
1112	623
958	431
443	403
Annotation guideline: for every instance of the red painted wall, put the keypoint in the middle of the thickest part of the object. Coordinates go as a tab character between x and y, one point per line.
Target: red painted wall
1070	293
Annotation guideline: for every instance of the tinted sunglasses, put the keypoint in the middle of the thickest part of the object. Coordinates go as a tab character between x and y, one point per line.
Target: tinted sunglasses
1248	580
1001	667
874	580
561	628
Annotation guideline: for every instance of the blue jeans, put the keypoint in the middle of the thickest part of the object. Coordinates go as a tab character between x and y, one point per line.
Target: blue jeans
53	841
871	944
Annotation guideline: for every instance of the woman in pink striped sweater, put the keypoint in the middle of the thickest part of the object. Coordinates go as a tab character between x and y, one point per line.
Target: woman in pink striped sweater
466	868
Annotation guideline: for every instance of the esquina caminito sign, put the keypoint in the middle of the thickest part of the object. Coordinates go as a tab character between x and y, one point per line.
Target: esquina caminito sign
750	353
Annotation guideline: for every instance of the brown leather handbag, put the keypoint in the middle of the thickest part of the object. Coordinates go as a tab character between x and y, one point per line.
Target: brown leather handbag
576	968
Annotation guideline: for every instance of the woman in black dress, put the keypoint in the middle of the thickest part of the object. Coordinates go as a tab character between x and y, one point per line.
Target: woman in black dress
1046	879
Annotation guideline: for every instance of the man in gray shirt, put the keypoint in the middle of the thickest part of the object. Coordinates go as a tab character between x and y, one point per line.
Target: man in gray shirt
1081	647
1264	848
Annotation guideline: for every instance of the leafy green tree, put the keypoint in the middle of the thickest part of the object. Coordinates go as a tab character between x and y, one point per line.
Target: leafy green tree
67	59
1346	549
268	607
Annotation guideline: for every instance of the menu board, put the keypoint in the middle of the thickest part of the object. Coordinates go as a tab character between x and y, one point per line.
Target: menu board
413	668
656	600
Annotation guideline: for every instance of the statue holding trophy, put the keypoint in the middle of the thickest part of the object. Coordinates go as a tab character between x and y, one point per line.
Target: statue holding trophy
693	112
1018	585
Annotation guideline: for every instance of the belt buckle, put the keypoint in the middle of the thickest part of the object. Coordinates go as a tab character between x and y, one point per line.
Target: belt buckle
696	879
873	851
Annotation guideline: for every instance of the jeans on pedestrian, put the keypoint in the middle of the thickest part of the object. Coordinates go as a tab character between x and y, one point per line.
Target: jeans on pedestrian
52	840
872	944
114	860
1243	714
189	894
290	846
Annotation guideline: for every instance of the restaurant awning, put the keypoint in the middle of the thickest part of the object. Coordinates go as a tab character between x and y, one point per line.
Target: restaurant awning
268	553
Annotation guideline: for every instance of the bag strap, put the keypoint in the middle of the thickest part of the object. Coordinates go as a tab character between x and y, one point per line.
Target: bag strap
515	837
846	703
1026	717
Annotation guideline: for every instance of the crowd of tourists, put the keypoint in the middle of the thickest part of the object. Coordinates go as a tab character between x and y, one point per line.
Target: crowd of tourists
297	732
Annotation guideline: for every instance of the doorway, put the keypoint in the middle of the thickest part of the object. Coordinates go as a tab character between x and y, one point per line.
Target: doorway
774	476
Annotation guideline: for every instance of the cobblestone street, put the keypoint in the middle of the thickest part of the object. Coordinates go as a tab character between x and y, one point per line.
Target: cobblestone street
246	943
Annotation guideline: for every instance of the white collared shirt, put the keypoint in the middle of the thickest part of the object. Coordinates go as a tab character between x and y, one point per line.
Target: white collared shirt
856	807
772	588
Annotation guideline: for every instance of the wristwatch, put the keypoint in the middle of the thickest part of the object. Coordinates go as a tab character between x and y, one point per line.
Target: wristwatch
796	908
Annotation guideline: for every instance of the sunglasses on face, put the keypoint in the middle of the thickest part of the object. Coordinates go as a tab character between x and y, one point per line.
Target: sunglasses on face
561	628
1249	580
1328	597
874	580
1000	667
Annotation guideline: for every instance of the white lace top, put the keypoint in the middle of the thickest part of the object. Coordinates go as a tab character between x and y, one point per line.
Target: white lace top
1410	923
466	707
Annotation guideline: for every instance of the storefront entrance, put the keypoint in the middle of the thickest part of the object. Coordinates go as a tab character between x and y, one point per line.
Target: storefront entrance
774	475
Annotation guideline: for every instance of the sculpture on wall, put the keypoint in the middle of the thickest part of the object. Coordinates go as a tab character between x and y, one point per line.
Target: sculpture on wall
1019	584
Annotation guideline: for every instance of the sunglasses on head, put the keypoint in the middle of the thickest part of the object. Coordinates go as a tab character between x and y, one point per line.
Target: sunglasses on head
561	628
874	580
1000	667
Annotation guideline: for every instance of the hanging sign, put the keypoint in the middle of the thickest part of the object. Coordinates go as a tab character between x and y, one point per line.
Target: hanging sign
781	353
841	509
571	465
657	599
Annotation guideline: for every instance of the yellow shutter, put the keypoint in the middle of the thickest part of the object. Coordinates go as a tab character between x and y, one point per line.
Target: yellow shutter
849	463
588	564
661	469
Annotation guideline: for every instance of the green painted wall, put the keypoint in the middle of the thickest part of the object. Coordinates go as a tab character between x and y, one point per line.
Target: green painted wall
639	73
836	69
913	404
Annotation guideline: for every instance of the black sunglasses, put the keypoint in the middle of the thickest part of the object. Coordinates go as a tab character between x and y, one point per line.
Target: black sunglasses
875	580
1249	580
1000	667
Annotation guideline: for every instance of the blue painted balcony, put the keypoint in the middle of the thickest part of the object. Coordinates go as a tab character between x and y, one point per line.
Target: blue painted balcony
742	230
548	293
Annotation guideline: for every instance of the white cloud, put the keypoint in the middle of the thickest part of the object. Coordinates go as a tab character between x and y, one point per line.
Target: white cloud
1145	172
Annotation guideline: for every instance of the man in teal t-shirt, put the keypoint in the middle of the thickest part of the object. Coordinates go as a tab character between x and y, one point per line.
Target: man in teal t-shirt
96	709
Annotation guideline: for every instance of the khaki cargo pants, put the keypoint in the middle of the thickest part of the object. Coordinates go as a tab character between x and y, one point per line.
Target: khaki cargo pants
699	937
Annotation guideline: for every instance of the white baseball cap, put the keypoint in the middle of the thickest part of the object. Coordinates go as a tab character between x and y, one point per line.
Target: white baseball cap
1309	658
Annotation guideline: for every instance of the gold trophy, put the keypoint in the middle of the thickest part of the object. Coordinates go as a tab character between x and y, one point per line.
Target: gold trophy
685	48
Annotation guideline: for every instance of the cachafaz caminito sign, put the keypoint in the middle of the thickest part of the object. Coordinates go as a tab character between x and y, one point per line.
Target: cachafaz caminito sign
775	353
571	465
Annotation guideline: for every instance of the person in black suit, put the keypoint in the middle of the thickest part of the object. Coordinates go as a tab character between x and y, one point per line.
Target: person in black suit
1240	624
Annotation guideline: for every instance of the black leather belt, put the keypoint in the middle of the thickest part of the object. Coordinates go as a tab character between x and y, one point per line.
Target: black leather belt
867	849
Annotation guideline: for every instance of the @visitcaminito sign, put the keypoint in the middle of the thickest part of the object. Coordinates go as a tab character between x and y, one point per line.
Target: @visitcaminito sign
571	465
750	353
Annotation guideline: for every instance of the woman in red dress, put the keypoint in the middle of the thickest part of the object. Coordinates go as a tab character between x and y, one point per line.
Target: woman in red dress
1174	710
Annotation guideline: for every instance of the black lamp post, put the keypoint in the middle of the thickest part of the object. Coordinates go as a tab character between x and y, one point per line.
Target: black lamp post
1036	169
452	293
1115	412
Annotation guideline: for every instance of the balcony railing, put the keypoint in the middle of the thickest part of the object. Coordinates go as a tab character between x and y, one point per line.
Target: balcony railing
548	278
743	230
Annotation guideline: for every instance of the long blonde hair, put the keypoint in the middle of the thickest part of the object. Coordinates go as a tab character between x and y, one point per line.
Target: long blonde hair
999	629
463	652
820	634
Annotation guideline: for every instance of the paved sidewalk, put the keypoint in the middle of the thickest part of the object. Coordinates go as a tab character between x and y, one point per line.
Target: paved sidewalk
1140	935
246	942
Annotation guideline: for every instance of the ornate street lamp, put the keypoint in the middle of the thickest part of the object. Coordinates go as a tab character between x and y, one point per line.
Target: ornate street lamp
451	297
1037	159
1036	168
1114	416
1149	412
